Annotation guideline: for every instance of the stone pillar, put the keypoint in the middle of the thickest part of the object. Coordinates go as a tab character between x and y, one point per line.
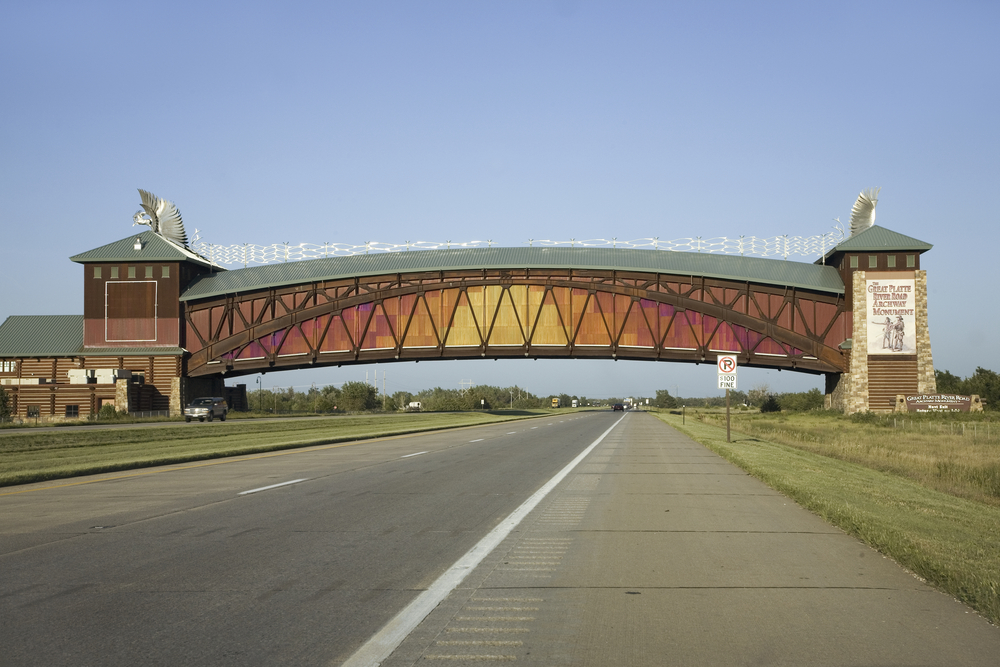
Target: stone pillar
926	382
837	388
122	395
176	406
857	390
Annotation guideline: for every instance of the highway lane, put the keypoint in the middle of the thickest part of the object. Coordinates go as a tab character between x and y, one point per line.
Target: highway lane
654	551
179	565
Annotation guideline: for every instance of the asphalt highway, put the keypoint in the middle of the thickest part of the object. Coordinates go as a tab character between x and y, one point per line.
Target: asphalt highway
173	566
650	551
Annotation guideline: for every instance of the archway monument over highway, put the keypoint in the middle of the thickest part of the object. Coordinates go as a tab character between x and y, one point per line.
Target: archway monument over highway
162	324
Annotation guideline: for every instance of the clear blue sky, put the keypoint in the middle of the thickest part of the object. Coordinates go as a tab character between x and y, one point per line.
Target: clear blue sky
395	121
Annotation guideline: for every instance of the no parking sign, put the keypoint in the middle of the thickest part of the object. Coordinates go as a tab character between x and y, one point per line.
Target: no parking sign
727	371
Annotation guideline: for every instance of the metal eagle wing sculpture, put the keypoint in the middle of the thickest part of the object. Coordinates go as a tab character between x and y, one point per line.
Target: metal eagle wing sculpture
863	211
162	217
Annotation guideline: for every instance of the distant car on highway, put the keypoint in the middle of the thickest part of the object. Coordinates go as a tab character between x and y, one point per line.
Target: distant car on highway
208	407
617	407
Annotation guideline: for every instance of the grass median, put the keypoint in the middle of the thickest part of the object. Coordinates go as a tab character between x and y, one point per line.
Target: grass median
951	542
27	456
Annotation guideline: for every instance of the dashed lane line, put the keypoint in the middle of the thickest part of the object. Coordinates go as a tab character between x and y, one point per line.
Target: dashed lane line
385	641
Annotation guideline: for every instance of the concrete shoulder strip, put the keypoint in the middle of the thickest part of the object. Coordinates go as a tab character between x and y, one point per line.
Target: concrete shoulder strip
385	641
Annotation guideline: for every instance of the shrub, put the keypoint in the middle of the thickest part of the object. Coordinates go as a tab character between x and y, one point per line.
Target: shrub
770	404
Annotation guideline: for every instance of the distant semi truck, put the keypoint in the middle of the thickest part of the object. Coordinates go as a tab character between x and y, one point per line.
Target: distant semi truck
575	403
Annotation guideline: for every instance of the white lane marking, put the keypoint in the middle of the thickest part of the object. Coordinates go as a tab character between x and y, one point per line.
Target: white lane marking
476	440
385	641
409	455
273	486
511	432
533	428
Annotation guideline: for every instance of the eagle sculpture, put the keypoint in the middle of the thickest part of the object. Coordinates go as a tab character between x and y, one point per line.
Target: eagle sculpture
863	211
162	217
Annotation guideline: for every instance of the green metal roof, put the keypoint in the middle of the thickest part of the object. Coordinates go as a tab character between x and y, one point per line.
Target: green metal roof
880	239
155	248
731	267
60	336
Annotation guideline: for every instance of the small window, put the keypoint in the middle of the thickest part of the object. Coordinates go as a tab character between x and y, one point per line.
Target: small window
165	272
149	272
8	366
33	411
891	261
911	261
73	411
872	261
97	272
114	273
131	272
854	261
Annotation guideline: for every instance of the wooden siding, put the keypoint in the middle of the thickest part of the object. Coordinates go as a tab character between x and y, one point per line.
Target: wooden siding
887	377
133	312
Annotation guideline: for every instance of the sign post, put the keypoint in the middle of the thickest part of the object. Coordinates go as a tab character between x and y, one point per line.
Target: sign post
726	364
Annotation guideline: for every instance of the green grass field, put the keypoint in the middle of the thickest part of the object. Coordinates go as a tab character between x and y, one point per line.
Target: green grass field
29	455
884	490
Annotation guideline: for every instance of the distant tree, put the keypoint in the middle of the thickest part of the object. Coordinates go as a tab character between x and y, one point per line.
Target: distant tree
358	396
664	399
758	395
801	401
986	383
399	400
4	405
770	404
948	383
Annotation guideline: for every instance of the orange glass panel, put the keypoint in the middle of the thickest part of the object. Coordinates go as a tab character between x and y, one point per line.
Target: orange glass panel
724	339
506	329
421	331
770	346
635	332
337	337
548	328
535	296
379	334
252	351
681	333
464	330
579	299
294	343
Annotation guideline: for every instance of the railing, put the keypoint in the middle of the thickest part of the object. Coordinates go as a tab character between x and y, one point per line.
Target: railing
149	413
775	246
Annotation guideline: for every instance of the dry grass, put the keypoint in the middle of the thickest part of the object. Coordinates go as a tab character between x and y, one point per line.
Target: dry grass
950	454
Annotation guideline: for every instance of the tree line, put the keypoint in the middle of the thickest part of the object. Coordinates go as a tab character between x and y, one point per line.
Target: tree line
363	397
985	383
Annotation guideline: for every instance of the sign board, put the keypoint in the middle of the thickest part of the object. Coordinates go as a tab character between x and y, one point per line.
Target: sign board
891	315
727	381
726	364
938	403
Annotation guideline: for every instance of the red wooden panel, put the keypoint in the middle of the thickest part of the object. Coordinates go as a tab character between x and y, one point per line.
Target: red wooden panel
806	314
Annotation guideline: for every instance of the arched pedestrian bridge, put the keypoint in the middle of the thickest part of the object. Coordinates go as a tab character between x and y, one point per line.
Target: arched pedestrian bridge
501	303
